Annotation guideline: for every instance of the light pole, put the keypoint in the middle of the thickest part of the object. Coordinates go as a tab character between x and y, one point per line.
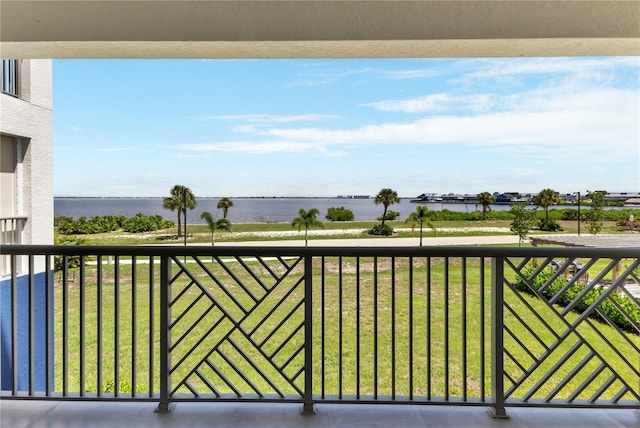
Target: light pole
578	213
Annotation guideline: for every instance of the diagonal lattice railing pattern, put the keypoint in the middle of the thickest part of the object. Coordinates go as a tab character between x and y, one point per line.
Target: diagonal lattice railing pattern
566	355
237	327
491	326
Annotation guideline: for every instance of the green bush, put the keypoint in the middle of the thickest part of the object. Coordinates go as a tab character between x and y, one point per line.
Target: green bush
571	215
608	215
497	215
549	225
339	214
142	223
381	230
110	223
61	220
621	214
391	215
447	215
72	262
607	307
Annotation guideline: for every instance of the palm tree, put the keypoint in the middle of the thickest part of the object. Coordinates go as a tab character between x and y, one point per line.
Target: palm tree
307	219
224	204
546	198
386	197
420	217
486	199
214	224
180	200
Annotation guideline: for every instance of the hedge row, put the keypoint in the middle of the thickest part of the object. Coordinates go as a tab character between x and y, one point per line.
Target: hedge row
110	223
554	214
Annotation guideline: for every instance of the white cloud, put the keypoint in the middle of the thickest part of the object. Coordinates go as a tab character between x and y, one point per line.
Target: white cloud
601	124
263	147
499	68
434	102
245	128
75	129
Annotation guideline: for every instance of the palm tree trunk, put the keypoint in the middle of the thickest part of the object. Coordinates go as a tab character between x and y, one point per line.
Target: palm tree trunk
179	223
384	215
421	234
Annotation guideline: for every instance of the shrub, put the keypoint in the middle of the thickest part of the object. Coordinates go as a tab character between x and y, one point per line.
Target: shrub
621	214
498	215
61	220
339	214
71	261
447	215
570	214
381	230
549	225
628	225
110	223
391	215
607	307
142	223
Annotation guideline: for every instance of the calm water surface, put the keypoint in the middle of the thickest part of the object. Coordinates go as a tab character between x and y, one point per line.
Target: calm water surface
244	210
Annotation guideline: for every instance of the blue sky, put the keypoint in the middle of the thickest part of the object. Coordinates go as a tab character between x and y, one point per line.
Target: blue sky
333	127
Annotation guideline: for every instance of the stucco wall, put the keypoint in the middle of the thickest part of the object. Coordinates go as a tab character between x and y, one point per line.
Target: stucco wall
32	121
27	323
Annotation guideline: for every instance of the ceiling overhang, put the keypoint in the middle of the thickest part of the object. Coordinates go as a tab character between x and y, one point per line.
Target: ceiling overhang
317	29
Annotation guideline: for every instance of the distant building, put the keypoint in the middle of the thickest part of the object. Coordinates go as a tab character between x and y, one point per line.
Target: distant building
621	196
508	198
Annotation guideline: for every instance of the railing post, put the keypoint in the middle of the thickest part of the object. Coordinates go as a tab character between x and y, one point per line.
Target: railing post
497	338
308	407
165	320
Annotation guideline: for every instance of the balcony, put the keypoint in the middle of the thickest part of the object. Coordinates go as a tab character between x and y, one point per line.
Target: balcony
11	229
361	333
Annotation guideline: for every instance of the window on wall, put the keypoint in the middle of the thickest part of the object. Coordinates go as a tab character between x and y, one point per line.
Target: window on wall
10	76
8	176
11	222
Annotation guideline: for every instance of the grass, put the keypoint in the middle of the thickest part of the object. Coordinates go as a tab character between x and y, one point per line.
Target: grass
253	232
379	328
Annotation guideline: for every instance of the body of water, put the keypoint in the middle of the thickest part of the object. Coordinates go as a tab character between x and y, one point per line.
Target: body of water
244	210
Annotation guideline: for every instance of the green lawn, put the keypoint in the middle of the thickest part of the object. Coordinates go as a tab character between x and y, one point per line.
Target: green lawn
390	326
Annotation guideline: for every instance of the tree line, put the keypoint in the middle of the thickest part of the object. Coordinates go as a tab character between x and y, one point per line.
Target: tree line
523	218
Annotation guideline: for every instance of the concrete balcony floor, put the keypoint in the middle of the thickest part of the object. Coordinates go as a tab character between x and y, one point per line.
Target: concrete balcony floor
35	414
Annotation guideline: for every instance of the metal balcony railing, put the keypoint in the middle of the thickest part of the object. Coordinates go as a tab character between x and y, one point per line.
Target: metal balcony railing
483	326
11	229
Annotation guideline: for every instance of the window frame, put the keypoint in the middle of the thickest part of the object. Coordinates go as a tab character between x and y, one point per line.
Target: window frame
10	77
